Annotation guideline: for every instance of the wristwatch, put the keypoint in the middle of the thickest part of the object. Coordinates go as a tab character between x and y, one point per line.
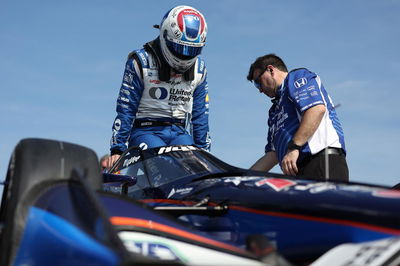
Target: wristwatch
293	146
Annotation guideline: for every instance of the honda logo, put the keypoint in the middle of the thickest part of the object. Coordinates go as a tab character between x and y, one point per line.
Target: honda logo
300	83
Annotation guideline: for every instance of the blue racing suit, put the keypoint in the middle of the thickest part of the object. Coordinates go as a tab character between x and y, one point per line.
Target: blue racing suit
152	112
301	90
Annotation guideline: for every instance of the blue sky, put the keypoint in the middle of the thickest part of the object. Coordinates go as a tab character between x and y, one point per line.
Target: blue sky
62	62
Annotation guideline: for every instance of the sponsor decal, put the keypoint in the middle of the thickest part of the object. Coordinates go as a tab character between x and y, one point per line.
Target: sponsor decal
149	249
168	149
130	161
175	75
117	124
180	95
143	146
128	77
124	99
201	68
143	59
177	32
300	82
238	179
386	193
280	118
158	93
372	253
356	188
124	91
276	183
155	81
181	191
123	105
315	188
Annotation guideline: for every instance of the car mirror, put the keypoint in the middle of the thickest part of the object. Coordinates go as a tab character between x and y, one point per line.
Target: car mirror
118	183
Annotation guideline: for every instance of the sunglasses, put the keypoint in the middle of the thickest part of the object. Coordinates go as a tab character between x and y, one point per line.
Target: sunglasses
256	81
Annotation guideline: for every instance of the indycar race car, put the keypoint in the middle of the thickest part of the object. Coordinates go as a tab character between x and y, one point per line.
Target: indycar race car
53	212
301	218
182	206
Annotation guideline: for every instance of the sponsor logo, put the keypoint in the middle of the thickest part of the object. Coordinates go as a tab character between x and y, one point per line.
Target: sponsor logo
300	82
386	193
237	180
124	99
276	183
201	68
158	93
117	124
128	77
180	95
312	87
143	146
373	253
155	81
181	191
177	33
155	250
316	187
130	161
168	149
124	91
123	105
143	58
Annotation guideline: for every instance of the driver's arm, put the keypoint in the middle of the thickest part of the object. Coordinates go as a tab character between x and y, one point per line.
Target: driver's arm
266	162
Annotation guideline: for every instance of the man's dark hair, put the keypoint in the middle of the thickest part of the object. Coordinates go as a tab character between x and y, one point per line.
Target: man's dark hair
263	61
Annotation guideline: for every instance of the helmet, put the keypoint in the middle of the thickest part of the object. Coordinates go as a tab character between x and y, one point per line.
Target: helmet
183	33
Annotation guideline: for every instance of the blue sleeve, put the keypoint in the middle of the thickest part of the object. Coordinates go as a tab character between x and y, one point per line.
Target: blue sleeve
200	126
127	105
304	89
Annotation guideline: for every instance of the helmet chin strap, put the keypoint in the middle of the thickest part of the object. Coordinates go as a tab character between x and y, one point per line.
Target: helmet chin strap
164	68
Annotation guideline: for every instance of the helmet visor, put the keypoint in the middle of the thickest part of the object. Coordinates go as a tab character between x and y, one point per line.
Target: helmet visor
183	51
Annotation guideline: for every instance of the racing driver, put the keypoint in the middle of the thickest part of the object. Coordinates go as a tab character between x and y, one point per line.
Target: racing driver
163	98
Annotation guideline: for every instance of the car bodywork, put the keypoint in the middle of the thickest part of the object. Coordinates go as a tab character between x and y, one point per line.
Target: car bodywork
53	212
302	218
182	206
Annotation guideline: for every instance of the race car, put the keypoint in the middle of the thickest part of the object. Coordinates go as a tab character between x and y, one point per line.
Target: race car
54	212
182	206
301	218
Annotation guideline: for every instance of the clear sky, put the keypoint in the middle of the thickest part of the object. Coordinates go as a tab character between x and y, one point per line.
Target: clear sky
61	66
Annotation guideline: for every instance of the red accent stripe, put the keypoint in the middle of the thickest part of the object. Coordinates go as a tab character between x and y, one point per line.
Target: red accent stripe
116	220
292	216
320	219
202	24
180	20
167	201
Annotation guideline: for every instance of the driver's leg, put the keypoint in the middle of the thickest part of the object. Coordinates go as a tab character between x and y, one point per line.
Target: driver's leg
179	136
146	138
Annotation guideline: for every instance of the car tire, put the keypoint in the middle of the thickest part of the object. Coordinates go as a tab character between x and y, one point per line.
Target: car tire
35	164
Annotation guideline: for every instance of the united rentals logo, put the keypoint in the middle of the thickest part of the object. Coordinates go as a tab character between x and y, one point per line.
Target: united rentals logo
158	93
180	95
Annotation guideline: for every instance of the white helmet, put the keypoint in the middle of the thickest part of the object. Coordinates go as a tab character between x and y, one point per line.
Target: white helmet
183	33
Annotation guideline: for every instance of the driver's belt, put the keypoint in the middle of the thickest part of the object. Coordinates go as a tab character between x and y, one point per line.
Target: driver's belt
147	123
